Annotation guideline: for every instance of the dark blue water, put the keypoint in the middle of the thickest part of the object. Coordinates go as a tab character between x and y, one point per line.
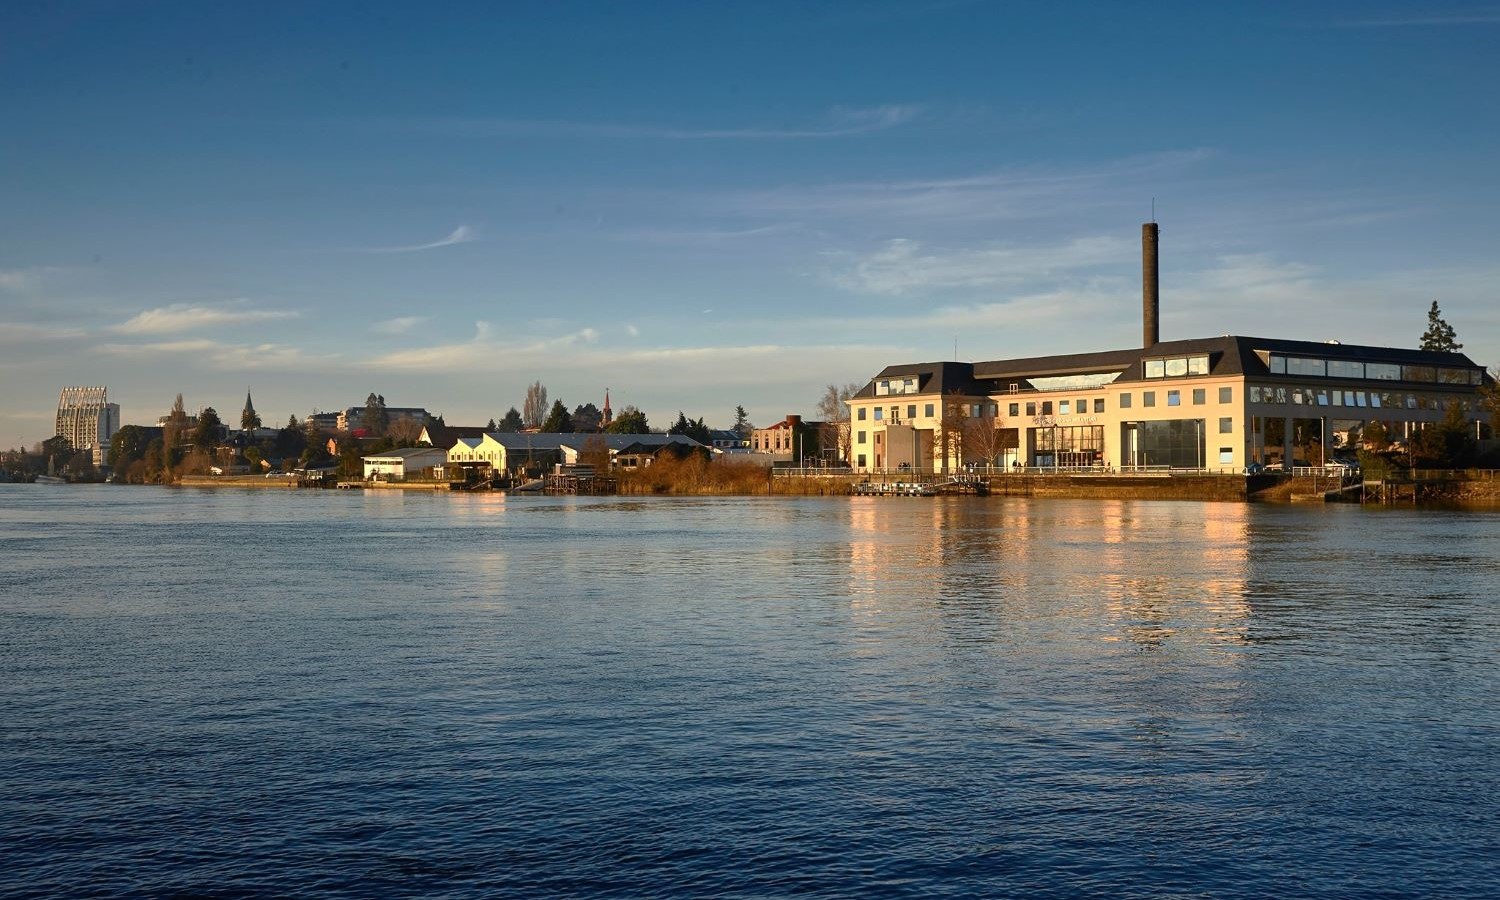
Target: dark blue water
331	693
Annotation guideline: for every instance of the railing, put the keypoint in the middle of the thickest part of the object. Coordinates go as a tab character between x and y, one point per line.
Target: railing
1004	471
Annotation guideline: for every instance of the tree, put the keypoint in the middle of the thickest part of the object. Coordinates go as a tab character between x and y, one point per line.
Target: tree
127	446
376	419
249	418
742	426
986	438
253	456
1489	399
1374	437
1439	334
558	421
57	447
291	421
953	428
404	433
1448	444
511	422
206	435
491	425
833	409
693	428
534	407
629	421
587	417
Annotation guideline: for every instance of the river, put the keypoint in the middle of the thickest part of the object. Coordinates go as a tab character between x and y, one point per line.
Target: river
372	694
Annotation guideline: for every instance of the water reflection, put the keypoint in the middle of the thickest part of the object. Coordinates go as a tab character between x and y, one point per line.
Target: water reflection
993	570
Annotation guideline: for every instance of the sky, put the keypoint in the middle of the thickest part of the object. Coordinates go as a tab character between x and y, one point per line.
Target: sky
702	205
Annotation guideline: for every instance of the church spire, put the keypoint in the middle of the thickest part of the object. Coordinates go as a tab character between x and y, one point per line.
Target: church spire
609	415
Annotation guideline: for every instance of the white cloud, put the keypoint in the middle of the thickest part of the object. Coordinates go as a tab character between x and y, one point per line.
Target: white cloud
21	333
632	330
463	234
903	266
837	122
187	317
398	325
1021	192
216	354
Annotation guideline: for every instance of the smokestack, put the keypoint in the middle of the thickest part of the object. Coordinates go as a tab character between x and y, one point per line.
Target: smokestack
1150	294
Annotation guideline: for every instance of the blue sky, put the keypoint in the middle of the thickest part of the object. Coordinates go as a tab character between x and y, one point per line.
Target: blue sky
703	205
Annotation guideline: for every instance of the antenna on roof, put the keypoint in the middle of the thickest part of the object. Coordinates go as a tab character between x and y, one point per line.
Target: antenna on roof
1153	209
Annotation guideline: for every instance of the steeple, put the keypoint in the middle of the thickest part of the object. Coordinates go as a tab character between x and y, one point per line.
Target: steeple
249	407
609	415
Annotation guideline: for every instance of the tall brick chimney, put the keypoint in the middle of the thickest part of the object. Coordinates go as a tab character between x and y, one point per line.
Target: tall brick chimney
1150	293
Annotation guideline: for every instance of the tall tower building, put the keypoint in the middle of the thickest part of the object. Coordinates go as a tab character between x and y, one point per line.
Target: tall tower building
249	419
88	420
609	414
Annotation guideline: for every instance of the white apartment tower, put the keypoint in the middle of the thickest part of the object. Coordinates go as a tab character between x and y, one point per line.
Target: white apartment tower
88	420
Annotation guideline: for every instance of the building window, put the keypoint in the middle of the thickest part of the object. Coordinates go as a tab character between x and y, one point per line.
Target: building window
1226	395
859	437
861	414
1124	401
1200	396
1148	398
1226	425
927	411
1015	409
1064	407
1174	398
1226	456
1046	407
860	460
911	410
1031	408
879	413
1098	404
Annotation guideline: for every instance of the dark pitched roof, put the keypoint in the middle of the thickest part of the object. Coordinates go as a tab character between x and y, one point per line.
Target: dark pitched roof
932	378
446	436
541	441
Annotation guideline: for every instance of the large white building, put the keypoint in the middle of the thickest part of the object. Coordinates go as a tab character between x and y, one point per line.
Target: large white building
1219	403
88	420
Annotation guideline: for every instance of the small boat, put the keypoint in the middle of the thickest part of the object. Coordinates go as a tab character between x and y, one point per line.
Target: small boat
50	479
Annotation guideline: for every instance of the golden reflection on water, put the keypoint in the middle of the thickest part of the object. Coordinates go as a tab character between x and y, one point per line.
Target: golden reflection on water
1150	573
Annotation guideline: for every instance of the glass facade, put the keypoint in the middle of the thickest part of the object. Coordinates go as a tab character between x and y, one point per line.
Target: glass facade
1177	443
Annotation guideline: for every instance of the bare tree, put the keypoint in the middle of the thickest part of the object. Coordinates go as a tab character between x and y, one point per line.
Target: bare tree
534	410
986	438
833	410
952	427
404	432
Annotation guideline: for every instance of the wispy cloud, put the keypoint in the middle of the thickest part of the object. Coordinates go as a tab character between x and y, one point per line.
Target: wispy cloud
903	266
218	355
398	325
482	351
22	333
837	122
29	279
1013	193
463	234
1490	17
187	317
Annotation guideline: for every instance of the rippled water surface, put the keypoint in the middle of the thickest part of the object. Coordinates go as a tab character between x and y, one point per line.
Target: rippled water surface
332	693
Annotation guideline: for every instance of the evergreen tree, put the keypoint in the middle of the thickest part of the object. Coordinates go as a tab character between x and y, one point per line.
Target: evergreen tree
742	426
629	421
558	421
511	422
1439	334
206	436
376	419
587	417
491	425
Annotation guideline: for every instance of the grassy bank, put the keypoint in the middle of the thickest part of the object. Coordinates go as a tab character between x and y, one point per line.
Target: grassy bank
696	476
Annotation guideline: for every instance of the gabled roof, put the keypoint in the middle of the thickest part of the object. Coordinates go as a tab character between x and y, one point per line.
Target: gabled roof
932	378
542	441
1228	355
403	453
447	435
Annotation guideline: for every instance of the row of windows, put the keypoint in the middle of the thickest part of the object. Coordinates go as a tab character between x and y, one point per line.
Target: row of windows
1081	406
1174	397
895	386
1177	366
1343	368
1306	396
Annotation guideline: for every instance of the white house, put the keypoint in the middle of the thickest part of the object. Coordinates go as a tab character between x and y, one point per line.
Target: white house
404	463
